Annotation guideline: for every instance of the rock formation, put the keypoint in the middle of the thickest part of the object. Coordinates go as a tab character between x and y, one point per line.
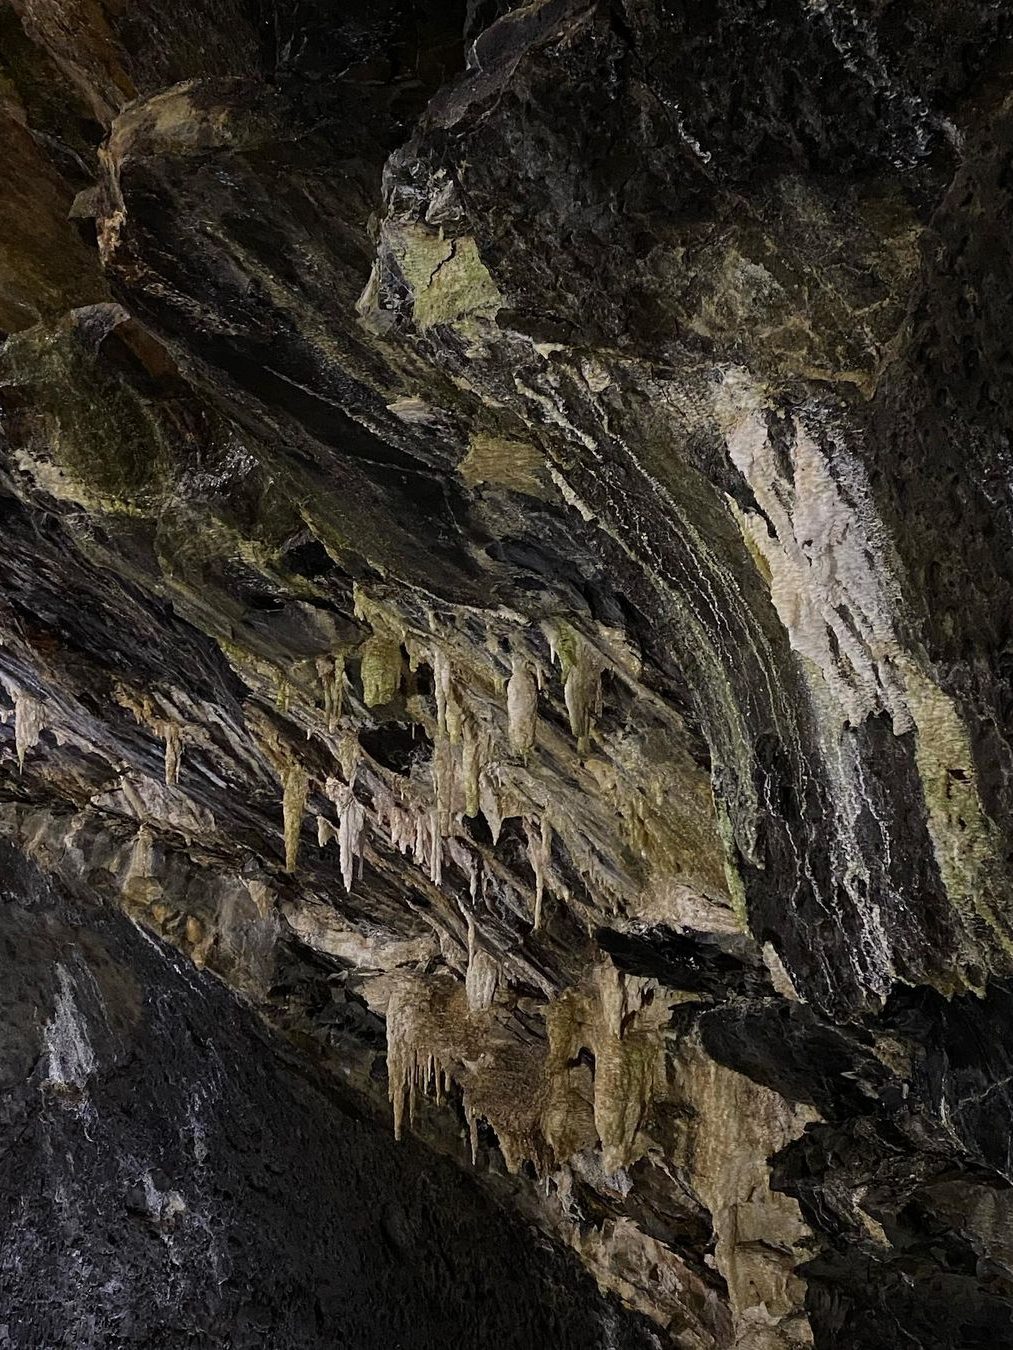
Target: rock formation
506	626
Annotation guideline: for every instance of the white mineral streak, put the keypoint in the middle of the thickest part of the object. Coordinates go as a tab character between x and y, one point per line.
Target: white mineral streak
826	556
71	1059
779	977
824	550
28	724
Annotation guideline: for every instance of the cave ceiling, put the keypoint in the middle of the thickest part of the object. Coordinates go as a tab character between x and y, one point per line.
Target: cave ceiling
506	563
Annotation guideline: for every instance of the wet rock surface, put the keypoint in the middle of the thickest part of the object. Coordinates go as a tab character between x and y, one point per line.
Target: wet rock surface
505	558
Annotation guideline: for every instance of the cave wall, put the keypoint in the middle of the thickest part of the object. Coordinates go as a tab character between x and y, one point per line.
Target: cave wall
172	1175
506	567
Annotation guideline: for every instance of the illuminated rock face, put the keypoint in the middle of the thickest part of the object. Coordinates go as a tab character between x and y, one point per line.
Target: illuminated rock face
505	556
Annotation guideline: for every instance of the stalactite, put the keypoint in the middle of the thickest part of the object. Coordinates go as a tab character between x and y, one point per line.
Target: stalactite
326	832
411	1068
28	724
331	674
482	975
435	851
173	737
349	754
581	667
463	857
168	729
350	828
522	708
350	832
621	1020
380	670
295	791
474	752
448	710
540	857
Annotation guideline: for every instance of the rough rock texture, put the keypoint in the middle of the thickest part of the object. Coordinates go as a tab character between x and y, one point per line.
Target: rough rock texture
506	561
170	1178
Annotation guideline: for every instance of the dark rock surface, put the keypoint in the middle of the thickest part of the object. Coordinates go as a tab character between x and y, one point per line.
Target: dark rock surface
171	1176
505	561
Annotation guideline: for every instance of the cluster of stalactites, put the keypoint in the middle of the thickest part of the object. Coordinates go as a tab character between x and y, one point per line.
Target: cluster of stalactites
331	674
412	1070
349	833
168	729
533	1099
413	829
620	1020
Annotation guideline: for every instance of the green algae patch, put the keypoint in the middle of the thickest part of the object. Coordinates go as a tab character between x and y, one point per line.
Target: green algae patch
105	447
448	278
